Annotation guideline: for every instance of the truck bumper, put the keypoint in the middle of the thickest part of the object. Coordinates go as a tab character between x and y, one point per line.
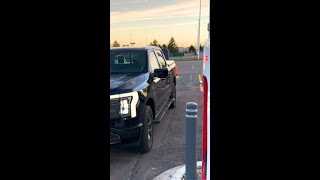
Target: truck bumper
123	130
124	134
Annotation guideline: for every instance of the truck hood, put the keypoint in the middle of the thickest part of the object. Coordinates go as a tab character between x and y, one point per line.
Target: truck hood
121	83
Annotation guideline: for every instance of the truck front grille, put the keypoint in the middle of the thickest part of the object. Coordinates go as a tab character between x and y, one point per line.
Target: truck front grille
114	109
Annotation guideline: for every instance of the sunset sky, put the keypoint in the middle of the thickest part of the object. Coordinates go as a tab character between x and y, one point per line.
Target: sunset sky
158	19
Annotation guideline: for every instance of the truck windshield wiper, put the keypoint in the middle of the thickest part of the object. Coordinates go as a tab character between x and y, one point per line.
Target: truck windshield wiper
128	73
117	72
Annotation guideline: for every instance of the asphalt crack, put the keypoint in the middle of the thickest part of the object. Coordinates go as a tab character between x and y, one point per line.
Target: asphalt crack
135	165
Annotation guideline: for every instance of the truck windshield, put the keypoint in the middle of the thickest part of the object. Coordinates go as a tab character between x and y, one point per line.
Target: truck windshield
128	61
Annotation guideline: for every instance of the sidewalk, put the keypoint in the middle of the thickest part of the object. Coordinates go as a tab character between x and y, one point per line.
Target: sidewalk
177	173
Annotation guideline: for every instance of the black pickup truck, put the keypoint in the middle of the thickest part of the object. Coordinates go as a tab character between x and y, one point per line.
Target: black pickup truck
142	89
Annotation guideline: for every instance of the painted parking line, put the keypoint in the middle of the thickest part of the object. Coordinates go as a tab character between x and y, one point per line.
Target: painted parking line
201	84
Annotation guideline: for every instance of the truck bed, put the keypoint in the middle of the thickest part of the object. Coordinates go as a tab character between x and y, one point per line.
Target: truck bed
171	65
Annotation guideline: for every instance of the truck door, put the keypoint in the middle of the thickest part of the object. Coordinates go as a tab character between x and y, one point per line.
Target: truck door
167	88
157	84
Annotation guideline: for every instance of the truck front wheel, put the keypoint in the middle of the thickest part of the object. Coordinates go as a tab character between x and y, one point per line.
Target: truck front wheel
146	138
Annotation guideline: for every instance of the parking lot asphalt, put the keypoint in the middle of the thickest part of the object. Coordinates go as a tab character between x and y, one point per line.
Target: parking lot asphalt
168	151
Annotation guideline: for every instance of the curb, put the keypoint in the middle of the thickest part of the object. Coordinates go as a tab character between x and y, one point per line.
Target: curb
175	173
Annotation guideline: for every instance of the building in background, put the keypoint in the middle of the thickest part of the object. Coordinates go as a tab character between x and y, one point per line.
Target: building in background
182	49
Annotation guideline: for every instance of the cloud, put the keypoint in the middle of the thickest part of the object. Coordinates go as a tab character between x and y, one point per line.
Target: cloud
114	12
180	9
126	2
158	18
155	26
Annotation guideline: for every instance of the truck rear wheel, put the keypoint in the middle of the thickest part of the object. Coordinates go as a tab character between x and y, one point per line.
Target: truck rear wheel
146	138
173	97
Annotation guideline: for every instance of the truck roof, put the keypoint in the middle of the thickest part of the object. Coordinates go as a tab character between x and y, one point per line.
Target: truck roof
135	48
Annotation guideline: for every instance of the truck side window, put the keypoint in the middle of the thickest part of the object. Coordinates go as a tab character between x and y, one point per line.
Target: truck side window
160	58
153	61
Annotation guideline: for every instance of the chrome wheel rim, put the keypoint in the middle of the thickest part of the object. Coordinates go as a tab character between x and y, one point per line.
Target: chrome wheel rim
149	129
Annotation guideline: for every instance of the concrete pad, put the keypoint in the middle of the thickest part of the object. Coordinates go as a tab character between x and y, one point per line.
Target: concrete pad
175	173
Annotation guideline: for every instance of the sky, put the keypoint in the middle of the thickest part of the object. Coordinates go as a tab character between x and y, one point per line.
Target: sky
147	20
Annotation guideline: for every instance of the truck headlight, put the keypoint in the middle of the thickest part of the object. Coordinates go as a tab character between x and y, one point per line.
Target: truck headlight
124	105
125	109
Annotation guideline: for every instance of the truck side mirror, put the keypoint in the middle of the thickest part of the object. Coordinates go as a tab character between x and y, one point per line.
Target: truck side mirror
161	72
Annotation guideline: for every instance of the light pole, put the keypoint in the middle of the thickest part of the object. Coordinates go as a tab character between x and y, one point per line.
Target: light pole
198	47
132	43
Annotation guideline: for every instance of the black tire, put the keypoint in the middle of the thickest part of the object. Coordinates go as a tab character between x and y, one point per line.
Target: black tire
173	96
146	137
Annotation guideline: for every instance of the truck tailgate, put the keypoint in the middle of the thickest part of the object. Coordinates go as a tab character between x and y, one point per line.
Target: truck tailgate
172	65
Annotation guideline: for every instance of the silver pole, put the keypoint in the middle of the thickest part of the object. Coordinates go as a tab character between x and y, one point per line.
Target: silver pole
191	141
198	49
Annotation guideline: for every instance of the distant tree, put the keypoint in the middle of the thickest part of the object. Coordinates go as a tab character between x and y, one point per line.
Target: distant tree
125	45
201	47
155	43
115	44
172	46
192	49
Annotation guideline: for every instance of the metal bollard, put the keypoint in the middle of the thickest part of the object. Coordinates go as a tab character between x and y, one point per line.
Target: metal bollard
191	143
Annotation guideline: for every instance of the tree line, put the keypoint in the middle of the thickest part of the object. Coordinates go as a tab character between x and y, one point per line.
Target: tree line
172	45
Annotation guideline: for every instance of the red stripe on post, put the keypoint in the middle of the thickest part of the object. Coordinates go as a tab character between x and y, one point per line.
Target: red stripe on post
204	128
205	59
